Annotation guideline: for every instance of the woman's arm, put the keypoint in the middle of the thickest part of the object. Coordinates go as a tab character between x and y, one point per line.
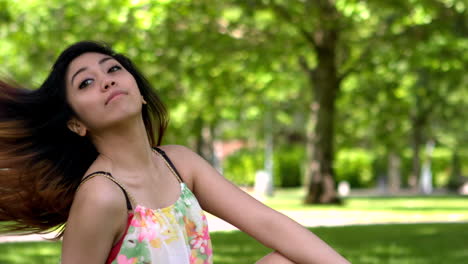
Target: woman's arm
273	229
274	257
93	224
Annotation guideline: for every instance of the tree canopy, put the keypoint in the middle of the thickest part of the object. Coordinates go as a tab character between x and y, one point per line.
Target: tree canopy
384	76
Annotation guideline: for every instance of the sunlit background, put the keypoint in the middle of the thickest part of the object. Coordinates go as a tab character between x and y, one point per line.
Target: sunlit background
339	113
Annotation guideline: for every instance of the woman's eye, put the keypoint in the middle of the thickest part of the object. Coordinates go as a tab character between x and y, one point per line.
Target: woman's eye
85	83
114	68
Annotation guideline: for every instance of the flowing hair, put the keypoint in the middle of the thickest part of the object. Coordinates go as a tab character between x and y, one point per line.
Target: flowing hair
41	160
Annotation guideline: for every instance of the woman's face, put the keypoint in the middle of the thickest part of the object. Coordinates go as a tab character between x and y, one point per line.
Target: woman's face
101	91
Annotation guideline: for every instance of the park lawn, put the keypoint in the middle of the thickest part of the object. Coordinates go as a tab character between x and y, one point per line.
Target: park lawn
389	243
291	199
379	244
367	244
371	210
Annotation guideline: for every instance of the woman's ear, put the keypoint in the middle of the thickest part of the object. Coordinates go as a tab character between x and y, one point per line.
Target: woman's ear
77	127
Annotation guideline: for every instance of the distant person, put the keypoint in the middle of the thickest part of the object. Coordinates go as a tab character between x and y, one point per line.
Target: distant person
82	154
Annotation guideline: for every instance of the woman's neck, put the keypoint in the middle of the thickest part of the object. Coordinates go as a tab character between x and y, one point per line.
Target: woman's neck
126	146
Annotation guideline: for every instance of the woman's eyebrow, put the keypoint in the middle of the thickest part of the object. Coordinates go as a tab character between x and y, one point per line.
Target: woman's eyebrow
76	73
105	59
85	68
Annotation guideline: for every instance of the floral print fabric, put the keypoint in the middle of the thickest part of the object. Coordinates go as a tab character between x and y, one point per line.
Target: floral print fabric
175	234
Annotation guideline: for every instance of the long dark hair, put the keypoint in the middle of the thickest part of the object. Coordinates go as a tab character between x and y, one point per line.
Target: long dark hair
41	160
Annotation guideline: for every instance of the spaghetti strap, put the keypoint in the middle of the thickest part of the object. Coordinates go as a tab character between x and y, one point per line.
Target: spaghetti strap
128	198
169	163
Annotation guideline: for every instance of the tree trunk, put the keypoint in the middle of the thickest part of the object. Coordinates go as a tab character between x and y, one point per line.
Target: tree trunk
426	175
269	152
325	83
322	184
394	174
456	178
205	141
419	118
413	179
198	130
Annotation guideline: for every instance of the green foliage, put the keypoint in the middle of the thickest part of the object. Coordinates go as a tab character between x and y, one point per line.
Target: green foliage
241	166
356	167
441	166
222	63
359	167
288	165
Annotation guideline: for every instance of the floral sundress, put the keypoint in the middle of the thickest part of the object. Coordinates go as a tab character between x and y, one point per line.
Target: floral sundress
177	234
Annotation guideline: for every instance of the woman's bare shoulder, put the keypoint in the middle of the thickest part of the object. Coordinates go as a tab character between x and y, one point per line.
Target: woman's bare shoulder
175	149
96	201
98	214
183	159
100	191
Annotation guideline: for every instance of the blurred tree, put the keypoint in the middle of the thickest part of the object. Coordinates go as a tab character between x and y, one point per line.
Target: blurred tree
334	73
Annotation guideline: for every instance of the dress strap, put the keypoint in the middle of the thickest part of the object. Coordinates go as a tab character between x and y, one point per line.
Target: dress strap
128	197
169	163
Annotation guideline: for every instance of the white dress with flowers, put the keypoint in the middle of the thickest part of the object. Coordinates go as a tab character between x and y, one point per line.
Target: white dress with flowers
177	234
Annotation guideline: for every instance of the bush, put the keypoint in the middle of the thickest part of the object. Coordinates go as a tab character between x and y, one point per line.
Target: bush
359	167
441	166
240	167
356	167
288	165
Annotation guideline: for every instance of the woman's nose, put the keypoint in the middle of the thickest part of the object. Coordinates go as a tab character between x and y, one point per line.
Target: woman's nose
109	84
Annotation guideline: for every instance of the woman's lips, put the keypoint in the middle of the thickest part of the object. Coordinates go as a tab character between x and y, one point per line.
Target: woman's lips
114	95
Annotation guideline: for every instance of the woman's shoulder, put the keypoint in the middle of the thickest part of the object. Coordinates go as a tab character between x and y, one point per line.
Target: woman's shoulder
95	212
179	153
102	193
98	190
96	185
175	149
184	159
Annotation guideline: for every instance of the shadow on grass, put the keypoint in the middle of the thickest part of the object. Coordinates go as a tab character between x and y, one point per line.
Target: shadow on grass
400	243
450	209
30	252
374	244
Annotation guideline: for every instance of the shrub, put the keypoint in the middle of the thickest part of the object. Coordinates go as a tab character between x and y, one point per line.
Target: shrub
355	166
240	167
359	167
288	168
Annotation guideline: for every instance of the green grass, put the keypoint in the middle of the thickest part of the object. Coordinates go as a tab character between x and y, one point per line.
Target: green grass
291	199
429	243
379	244
382	244
368	210
30	252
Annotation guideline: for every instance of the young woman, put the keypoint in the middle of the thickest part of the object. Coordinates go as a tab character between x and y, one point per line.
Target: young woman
83	153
